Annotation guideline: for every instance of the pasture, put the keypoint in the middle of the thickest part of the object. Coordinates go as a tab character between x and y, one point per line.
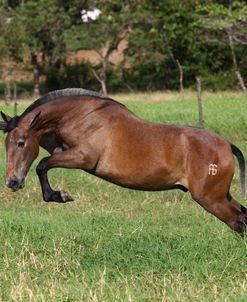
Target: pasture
115	244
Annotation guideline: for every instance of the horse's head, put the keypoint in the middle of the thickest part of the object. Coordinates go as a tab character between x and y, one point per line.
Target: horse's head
22	147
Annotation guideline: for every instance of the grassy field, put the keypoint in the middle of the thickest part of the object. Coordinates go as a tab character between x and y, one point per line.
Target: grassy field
114	244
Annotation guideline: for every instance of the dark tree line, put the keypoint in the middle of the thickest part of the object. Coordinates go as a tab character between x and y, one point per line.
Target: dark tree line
170	42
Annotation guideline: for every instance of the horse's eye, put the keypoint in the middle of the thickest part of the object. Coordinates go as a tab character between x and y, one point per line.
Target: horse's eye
20	144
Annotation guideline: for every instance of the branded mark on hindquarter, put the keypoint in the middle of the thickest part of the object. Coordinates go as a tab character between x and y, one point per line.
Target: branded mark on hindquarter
212	169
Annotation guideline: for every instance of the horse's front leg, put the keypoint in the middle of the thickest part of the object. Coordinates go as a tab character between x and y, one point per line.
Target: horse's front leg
48	193
66	159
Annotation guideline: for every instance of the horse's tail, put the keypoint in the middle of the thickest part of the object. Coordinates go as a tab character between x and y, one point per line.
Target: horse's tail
238	153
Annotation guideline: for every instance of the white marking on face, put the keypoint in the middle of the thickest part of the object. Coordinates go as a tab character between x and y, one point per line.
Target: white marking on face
212	169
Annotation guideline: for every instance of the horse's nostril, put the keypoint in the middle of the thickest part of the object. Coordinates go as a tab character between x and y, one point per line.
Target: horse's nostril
12	183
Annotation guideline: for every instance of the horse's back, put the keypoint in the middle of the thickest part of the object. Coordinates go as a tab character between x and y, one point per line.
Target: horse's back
141	154
154	156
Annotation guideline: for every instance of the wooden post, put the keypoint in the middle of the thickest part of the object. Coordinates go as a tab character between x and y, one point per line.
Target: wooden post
7	94
181	78
199	97
15	100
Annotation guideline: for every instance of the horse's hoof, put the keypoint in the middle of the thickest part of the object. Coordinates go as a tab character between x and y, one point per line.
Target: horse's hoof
65	196
58	196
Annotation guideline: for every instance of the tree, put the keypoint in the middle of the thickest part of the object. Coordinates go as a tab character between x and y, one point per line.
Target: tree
170	42
4	51
165	35
3	22
9	34
43	24
229	23
3	47
105	33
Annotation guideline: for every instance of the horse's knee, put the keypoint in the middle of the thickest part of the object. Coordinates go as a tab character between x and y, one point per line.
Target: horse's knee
41	167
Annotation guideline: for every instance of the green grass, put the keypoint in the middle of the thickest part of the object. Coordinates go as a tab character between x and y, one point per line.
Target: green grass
114	244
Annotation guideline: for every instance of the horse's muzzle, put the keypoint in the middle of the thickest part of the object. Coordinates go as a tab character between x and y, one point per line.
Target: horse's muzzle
15	184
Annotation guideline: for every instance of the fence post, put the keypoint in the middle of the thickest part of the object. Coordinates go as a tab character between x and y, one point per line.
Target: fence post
181	78
15	99
7	94
199	98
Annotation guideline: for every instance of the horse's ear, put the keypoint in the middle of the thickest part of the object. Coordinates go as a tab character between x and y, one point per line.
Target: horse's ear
5	117
35	120
3	125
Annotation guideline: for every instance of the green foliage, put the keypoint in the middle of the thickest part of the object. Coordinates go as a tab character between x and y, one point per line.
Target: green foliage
39	33
44	23
171	33
24	89
3	47
76	75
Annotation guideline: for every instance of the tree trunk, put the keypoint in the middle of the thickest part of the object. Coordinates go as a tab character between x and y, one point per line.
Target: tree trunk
101	81
234	57
104	77
109	47
235	63
103	87
241	81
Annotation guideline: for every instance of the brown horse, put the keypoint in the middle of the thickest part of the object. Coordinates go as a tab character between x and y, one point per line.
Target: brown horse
85	130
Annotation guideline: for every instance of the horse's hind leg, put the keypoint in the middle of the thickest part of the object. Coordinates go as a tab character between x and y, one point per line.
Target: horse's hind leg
230	212
210	185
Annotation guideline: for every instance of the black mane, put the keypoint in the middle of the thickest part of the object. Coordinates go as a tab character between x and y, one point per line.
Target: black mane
53	95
